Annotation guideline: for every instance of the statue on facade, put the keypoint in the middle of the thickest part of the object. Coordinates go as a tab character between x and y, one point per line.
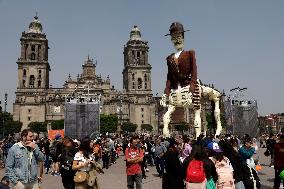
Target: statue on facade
182	87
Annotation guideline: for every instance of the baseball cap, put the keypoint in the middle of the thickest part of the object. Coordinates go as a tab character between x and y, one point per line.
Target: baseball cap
214	146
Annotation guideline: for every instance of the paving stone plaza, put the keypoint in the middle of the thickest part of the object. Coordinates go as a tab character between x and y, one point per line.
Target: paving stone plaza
115	177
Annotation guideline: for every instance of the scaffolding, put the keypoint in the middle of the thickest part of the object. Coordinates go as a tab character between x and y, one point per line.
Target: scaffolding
242	117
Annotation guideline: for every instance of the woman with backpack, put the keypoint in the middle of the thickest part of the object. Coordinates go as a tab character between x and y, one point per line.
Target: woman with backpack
197	169
223	166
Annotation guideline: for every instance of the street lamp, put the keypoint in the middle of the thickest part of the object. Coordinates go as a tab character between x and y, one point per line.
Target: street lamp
4	115
119	111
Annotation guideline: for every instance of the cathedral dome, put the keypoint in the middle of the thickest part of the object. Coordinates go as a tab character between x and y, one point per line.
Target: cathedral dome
35	26
135	34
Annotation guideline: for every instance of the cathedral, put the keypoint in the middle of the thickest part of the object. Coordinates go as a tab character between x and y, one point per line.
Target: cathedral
37	100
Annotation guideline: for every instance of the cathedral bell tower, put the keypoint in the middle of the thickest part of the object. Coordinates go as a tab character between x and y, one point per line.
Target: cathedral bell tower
33	66
137	70
33	76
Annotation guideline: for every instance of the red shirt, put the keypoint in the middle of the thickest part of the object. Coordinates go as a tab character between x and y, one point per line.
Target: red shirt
133	168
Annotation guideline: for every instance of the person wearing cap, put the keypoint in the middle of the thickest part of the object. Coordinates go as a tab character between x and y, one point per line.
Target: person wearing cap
223	166
278	161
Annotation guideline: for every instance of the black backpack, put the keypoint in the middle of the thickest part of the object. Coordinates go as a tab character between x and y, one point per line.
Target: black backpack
250	177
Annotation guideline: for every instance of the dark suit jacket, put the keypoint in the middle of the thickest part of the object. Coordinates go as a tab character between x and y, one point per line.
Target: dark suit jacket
184	73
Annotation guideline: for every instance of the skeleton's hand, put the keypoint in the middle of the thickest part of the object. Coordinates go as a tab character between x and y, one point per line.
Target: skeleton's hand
163	101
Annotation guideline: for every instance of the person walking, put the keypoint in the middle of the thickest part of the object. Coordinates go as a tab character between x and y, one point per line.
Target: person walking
173	177
22	162
270	147
246	152
134	157
206	172
159	152
83	164
66	160
278	161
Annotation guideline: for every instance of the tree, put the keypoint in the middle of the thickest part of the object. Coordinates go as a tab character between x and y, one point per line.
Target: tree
12	127
223	120
38	127
129	127
108	123
183	126
57	124
211	123
209	119
147	127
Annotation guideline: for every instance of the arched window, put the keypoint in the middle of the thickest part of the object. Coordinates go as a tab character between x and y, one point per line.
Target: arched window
139	83
32	81
145	77
33	56
133	85
133	76
39	83
24	73
39	51
39	73
26	49
33	48
24	83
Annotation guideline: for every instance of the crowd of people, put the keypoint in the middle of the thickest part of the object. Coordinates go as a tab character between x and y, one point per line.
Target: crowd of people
181	162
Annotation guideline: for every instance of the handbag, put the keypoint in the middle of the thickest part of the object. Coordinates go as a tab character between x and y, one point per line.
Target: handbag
282	175
210	184
92	178
80	176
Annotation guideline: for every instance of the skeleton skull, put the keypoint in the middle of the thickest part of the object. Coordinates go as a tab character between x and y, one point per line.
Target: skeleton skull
178	41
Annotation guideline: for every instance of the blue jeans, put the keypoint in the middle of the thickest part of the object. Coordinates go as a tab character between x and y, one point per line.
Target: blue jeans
46	162
160	165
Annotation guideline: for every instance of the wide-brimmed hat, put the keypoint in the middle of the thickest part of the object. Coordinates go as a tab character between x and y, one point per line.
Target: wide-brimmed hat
175	28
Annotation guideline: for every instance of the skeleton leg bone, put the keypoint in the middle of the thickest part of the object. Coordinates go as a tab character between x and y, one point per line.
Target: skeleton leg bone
167	120
217	117
197	123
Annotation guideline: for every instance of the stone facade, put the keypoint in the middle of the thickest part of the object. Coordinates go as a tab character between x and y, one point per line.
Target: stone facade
36	100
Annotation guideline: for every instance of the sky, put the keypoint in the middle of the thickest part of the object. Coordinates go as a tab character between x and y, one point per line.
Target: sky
237	43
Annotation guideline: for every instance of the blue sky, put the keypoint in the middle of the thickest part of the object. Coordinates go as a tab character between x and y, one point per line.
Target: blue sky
237	43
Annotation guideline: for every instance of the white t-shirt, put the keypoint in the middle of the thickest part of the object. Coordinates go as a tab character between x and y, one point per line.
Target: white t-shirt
82	159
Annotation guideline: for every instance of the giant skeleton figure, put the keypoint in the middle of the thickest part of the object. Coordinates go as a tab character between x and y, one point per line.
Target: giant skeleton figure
182	87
